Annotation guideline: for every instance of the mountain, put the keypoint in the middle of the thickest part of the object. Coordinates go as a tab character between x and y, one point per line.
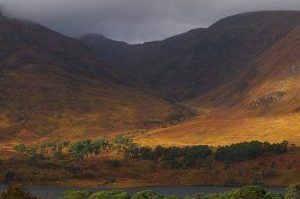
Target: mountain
53	86
266	109
242	75
193	63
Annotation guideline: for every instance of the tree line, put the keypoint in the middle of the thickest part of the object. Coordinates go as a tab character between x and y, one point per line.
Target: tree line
171	157
249	150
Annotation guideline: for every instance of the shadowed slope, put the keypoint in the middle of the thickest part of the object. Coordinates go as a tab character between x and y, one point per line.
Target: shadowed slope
52	86
191	64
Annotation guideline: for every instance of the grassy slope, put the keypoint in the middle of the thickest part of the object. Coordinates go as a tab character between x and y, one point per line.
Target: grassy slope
52	106
222	131
226	115
52	86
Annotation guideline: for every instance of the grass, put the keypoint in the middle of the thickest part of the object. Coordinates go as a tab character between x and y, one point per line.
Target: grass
217	131
49	105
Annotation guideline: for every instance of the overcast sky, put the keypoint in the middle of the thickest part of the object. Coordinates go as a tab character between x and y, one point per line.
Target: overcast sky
135	20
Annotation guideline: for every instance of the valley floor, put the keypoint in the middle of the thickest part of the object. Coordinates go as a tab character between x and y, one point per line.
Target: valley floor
206	129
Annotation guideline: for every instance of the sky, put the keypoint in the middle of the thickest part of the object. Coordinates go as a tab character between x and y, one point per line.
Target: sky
134	21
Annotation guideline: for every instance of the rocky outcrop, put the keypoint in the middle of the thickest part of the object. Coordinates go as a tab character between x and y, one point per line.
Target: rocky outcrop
293	70
268	99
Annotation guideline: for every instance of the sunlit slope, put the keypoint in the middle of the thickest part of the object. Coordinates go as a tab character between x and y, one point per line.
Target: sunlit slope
261	102
223	131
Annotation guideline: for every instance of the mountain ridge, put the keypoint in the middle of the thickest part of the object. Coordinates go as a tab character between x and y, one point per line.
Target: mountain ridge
161	60
231	73
241	74
52	85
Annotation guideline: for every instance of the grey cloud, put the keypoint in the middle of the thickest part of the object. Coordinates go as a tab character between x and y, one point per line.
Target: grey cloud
134	20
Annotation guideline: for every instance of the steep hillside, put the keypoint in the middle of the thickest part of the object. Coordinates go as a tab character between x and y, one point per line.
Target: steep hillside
268	85
266	109
241	74
52	86
184	66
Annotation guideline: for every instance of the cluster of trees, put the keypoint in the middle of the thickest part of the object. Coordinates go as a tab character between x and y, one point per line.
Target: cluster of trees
54	149
186	157
31	152
249	150
247	192
82	149
78	150
172	157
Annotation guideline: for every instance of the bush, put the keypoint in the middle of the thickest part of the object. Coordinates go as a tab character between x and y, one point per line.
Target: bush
147	194
16	192
113	163
10	176
172	197
75	195
277	148
57	154
274	196
293	192
114	194
247	192
20	148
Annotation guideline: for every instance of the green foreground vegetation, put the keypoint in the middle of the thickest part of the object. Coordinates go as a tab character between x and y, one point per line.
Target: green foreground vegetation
247	192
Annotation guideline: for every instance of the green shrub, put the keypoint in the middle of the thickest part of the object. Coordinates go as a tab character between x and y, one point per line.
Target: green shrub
16	192
75	195
10	176
57	154
206	196
274	196
247	192
20	148
172	197
114	194
113	163
293	192
147	194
